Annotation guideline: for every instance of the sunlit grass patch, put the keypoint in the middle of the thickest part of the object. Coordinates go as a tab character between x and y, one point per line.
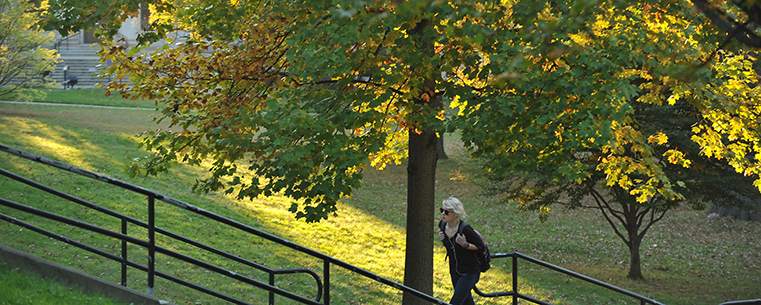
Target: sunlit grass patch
352	235
47	139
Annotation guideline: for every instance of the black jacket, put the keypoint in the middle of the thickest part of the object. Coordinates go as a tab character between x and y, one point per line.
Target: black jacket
461	260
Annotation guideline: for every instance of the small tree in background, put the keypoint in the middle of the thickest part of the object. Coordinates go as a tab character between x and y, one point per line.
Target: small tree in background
625	112
24	62
704	181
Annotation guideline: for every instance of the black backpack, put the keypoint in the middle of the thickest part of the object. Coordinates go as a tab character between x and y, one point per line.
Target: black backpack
483	257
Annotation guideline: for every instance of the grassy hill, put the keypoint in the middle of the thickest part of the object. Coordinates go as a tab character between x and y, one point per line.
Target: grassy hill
686	258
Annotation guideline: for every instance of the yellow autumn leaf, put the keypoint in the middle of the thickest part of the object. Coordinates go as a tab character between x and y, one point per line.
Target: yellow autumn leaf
658	138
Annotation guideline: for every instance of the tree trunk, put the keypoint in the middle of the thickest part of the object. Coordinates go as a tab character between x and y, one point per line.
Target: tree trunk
421	180
635	266
440	153
628	219
635	241
421	186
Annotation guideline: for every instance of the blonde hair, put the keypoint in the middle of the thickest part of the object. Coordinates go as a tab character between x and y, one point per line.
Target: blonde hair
455	205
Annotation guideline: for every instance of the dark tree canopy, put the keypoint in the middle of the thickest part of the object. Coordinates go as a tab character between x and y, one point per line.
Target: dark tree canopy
739	19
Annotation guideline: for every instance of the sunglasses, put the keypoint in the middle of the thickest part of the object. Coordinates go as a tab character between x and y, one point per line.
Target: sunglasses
446	212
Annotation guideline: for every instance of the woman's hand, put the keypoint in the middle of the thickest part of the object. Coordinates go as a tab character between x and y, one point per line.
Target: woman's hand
460	240
441	235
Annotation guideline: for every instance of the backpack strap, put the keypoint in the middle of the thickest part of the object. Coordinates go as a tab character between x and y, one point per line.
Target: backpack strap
462	225
442	226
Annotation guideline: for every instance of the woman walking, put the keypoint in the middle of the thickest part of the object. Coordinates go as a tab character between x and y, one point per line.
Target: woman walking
461	242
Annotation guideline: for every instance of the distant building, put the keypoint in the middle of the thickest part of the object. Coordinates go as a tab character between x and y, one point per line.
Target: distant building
79	51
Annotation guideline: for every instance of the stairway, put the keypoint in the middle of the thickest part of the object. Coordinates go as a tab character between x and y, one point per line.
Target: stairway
83	62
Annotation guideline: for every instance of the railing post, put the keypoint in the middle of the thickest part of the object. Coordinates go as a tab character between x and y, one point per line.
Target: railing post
124	253
326	275
515	278
151	243
272	283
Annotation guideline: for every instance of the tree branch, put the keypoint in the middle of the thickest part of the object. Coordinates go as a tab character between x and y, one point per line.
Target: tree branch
653	220
641	216
737	31
600	201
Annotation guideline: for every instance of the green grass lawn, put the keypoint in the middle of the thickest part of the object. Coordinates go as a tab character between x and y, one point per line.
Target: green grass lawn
20	287
89	96
686	258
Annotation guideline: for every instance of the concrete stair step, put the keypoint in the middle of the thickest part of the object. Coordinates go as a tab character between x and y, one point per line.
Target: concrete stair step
83	62
84	70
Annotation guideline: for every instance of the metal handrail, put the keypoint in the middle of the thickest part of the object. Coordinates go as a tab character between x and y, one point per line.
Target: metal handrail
57	44
323	287
142	224
516	294
140	242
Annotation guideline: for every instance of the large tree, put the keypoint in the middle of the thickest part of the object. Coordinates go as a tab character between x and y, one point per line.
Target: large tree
297	97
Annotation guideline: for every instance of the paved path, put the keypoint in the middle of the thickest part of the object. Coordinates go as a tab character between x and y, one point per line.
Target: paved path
76	105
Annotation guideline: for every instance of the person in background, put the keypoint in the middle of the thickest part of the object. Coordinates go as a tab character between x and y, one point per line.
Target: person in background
461	244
